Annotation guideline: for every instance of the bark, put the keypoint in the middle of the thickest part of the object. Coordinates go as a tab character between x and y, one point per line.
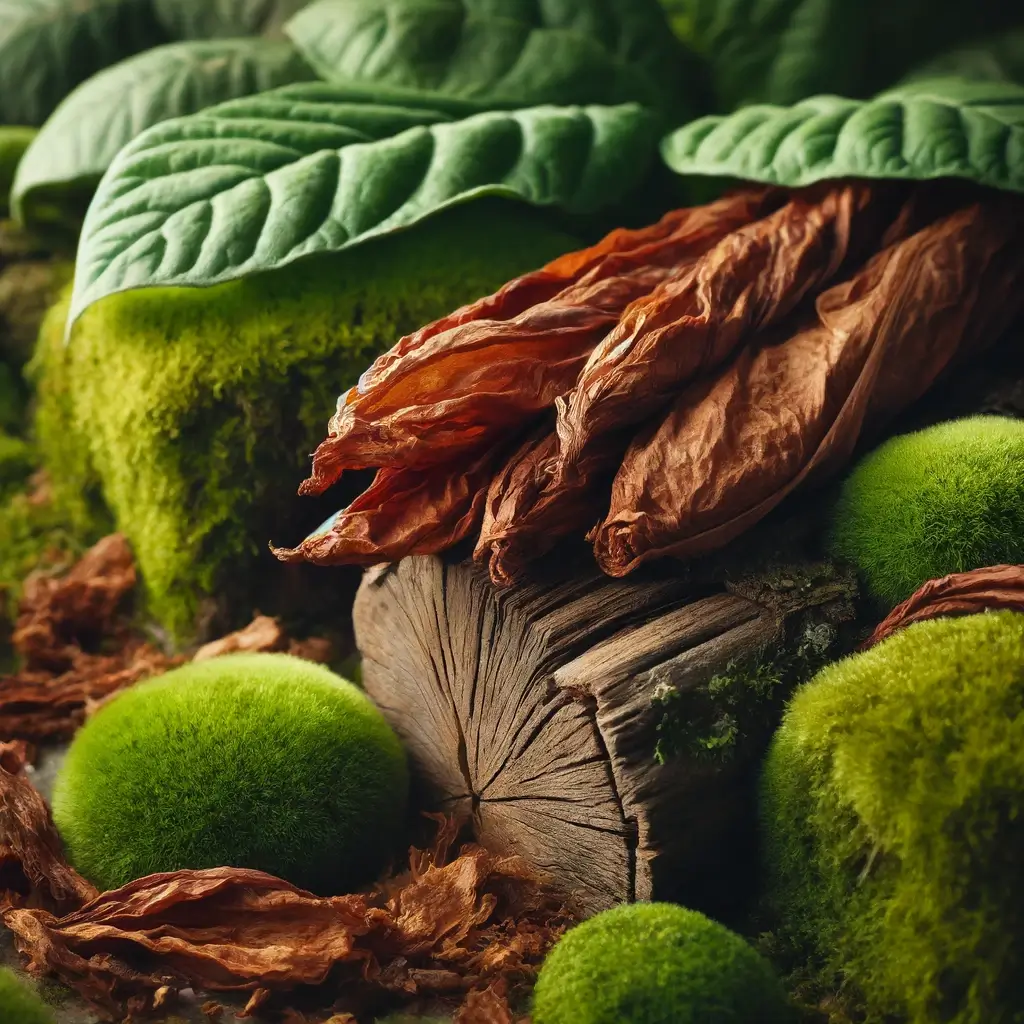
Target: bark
536	711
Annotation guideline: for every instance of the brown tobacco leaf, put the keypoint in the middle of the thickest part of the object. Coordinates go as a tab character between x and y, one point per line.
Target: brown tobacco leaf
472	378
734	445
32	865
403	512
266	634
998	587
443	927
693	322
76	646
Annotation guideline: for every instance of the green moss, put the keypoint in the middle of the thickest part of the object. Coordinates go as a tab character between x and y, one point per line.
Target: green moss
249	760
19	1004
893	814
656	963
713	720
16	464
942	500
196	409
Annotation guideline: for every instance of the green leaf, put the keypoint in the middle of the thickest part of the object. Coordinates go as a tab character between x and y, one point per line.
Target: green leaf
48	46
513	54
257	183
14	140
61	169
947	127
781	51
218	19
996	59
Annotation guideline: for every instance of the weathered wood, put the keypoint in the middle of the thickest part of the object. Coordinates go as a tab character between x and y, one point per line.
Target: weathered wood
535	711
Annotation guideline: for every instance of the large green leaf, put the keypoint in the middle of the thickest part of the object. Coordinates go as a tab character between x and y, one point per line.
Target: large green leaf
781	51
257	183
48	46
217	19
510	54
999	58
947	127
61	169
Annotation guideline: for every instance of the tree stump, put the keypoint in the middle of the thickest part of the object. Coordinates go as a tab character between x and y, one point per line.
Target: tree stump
537	712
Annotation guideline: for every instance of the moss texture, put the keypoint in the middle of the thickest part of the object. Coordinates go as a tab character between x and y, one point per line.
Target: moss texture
945	499
893	815
656	963
19	1004
196	409
248	760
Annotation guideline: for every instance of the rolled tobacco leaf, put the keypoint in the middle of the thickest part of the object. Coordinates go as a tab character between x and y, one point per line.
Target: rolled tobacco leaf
485	371
662	391
736	443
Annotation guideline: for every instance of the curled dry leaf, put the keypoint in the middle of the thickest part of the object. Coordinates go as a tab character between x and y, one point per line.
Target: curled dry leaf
76	644
735	444
403	512
693	322
482	373
265	634
443	927
997	587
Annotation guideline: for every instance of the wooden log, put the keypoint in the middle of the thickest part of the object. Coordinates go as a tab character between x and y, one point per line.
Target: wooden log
537	712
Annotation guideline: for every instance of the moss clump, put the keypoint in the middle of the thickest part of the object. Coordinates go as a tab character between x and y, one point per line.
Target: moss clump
945	499
656	963
16	464
248	760
19	1004
196	409
893	813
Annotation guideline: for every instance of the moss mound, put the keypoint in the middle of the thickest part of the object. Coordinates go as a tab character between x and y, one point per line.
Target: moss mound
195	410
16	464
19	1004
893	811
248	760
946	499
656	963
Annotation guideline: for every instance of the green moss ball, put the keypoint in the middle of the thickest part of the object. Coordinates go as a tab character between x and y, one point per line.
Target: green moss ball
656	963
19	1004
942	500
893	812
249	760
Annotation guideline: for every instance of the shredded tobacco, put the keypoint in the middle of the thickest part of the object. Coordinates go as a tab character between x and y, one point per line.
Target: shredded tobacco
465	927
998	587
77	645
662	391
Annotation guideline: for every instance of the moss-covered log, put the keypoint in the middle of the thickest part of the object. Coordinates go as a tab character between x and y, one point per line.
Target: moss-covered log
605	729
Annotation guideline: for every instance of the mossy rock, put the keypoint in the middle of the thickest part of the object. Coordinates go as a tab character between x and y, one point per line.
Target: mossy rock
893	817
195	410
656	963
945	499
19	1004
258	761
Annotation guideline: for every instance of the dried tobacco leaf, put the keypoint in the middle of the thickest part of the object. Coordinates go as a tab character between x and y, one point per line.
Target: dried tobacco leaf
471	378
33	870
695	321
443	927
266	634
736	443
403	512
963	593
77	647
